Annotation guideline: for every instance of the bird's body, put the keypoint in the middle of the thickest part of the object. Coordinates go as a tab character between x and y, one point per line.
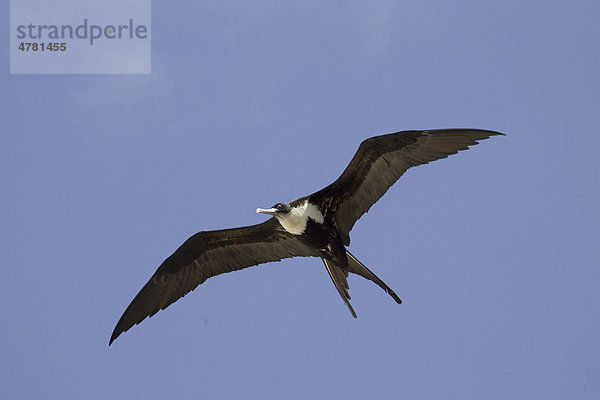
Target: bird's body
317	225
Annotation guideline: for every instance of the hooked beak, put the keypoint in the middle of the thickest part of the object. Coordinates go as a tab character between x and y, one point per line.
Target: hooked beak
270	211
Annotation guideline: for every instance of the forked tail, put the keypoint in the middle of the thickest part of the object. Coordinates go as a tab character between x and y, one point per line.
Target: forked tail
356	267
339	277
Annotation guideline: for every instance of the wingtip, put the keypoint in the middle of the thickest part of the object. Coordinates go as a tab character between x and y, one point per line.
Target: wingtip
114	337
488	132
485	134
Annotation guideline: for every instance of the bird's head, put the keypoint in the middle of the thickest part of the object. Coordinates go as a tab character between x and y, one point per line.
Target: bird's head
277	209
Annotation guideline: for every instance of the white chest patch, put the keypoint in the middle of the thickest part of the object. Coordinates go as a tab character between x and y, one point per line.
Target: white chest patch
295	221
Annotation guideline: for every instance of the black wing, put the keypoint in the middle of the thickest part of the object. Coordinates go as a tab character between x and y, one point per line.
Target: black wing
207	254
378	164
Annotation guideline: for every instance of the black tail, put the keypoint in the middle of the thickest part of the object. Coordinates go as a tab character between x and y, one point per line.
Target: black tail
338	275
356	267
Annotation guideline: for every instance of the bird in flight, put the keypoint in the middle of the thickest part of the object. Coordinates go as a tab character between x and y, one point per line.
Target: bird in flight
317	225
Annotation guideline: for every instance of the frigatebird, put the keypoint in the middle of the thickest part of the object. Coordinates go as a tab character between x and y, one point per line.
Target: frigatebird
317	225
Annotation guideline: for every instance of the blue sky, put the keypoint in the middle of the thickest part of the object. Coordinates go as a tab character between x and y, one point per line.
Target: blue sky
494	251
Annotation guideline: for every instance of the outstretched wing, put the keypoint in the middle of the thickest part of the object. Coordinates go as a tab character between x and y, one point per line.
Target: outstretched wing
207	254
378	164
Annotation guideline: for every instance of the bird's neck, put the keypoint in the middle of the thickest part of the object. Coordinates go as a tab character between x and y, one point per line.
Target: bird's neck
296	220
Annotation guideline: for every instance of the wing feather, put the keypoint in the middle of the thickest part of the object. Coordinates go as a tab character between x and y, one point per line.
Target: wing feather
207	254
379	162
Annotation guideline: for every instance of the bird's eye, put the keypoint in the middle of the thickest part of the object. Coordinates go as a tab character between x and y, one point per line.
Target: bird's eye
278	206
